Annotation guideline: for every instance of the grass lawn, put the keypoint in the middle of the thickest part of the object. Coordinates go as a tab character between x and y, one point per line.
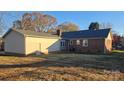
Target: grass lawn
118	51
63	67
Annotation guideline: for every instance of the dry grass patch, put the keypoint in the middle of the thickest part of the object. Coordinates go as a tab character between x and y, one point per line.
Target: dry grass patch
62	73
18	60
62	67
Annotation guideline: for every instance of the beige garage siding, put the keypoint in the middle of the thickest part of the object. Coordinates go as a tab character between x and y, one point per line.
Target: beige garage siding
14	43
44	45
108	43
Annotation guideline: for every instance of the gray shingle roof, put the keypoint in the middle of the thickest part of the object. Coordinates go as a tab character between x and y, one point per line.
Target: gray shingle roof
101	33
32	33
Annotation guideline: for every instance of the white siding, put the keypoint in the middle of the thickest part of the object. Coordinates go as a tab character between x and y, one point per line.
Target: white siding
14	43
43	45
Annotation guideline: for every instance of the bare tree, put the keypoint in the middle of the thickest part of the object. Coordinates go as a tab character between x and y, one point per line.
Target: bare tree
106	25
17	24
27	22
38	21
2	22
68	26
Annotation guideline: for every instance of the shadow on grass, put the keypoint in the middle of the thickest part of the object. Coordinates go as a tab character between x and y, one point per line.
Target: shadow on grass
114	61
107	62
96	65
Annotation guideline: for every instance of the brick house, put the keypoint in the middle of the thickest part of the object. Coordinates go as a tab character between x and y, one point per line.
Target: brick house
28	42
90	41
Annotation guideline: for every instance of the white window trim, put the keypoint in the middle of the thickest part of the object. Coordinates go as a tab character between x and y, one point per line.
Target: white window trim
85	43
78	42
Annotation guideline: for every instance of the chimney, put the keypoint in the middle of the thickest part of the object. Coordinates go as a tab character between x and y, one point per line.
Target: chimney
59	32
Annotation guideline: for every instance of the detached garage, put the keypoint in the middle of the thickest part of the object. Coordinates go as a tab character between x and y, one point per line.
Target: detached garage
27	42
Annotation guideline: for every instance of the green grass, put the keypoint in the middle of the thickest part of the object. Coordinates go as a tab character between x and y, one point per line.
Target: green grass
118	51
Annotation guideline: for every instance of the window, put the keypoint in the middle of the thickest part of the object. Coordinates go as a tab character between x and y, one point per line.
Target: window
78	42
62	43
85	43
71	42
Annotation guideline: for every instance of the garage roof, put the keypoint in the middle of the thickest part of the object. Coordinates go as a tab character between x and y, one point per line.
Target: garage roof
32	33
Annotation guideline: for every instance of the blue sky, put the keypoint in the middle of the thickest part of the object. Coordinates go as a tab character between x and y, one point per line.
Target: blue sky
81	18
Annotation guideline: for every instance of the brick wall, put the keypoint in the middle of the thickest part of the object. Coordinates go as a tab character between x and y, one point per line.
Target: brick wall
94	45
